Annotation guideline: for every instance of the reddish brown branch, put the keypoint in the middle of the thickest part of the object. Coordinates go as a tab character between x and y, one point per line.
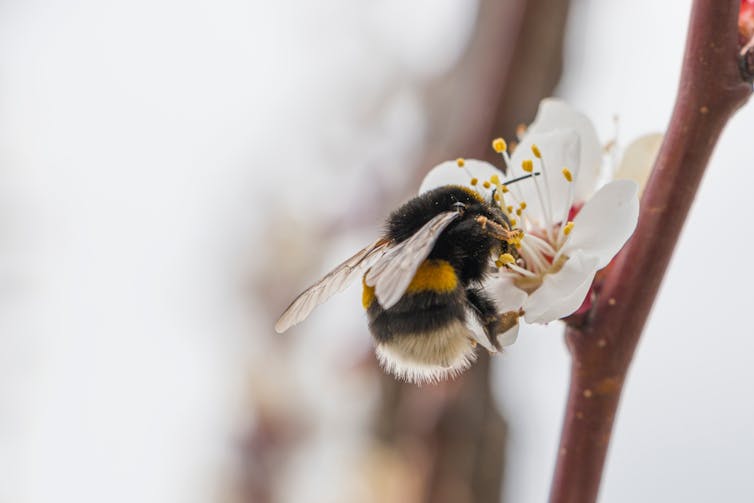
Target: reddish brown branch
711	90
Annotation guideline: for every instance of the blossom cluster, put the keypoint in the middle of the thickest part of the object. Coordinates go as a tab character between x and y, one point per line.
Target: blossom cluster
573	216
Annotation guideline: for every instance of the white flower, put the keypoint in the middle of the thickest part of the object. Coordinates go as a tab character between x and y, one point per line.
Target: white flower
570	228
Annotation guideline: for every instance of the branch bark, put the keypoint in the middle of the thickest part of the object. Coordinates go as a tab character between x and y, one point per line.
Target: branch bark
602	344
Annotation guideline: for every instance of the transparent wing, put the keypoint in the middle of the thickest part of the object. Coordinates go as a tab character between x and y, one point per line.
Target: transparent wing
393	271
334	282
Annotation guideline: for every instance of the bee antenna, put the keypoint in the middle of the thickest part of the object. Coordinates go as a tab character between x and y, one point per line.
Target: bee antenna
522	177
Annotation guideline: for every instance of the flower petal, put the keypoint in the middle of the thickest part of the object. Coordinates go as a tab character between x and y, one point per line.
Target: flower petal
638	159
605	222
555	114
507	296
563	292
477	332
559	149
448	173
509	336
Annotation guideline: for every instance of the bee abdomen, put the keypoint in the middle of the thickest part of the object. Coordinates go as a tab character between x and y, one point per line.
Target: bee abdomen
423	337
428	356
433	276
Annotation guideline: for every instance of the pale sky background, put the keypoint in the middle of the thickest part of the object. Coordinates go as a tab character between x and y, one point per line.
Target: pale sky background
143	146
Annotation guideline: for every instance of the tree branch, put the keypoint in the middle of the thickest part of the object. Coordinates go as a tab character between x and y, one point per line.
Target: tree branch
711	89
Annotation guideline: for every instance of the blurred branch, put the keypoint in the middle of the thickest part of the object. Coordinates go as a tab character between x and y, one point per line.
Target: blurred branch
602	344
512	62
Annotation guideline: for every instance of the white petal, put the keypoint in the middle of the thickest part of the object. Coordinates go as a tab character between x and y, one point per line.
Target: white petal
638	159
448	173
554	114
563	292
507	296
559	149
477	332
605	222
509	336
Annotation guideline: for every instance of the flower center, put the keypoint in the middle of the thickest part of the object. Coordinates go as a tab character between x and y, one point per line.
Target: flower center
538	250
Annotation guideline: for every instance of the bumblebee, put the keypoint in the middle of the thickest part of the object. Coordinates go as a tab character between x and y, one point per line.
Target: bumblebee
422	284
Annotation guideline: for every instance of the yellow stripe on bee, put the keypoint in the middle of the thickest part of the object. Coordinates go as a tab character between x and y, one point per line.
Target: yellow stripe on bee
432	276
367	294
435	276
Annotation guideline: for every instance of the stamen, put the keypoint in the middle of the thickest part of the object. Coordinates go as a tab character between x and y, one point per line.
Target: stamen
534	257
548	200
506	258
511	197
567	228
495	179
528	166
521	270
540	244
522	205
567	210
499	146
461	163
486	184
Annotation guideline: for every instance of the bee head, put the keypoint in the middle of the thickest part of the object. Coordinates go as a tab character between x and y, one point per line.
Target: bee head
472	205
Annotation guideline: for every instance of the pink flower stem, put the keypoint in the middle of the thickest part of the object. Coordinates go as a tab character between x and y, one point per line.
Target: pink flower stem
713	86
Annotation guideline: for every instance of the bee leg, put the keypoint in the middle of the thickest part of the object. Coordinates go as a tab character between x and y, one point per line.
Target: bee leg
506	321
486	313
496	230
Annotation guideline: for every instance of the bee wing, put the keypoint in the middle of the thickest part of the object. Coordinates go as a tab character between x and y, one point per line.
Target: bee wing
393	271
334	282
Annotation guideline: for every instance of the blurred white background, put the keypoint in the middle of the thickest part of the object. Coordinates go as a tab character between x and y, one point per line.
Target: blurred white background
145	149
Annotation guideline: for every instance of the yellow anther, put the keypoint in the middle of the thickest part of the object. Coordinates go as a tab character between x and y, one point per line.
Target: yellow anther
474	181
513	222
527	165
498	145
518	212
486	184
522	205
498	264
520	130
497	196
461	162
495	179
568	228
567	174
504	189
510	209
535	151
506	258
